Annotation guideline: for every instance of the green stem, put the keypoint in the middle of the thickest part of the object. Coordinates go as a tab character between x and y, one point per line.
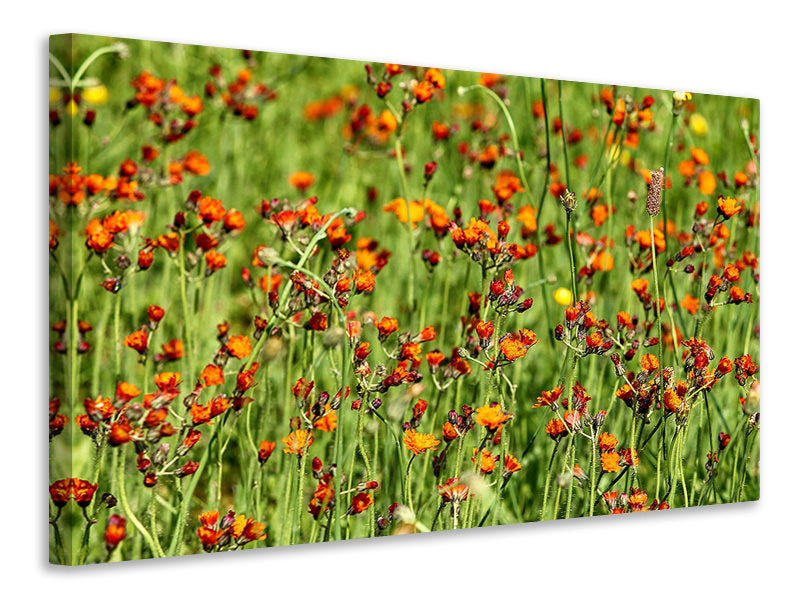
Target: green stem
547	478
126	507
657	308
398	150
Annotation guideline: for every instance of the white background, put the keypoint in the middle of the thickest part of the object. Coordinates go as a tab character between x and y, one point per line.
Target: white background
733	48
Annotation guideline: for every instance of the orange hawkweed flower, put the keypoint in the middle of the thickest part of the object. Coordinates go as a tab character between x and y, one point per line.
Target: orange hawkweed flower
238	346
419	443
555	429
650	363
173	350
215	261
435	77
126	391
492	416
510	465
386	326
212	375
488	462
361	502
549	398
115	531
728	207
138	341
210	210
454	491
610	461
61	491
265	450
607	441
423	91
691	304
327	422
365	282
301	180
297	442
83	491
707	183
699	156
119	433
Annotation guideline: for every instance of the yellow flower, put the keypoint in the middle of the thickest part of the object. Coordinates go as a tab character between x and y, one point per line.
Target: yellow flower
96	94
54	95
563	296
698	124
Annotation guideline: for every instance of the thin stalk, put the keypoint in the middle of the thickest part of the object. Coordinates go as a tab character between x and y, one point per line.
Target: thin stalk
301	472
547	481
126	507
398	149
657	308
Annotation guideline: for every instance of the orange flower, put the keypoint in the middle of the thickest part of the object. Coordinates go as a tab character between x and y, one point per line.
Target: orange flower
419	443
138	341
386	326
327	422
215	261
167	381
453	491
686	168
115	531
488	462
707	183
512	349
365	282
126	391
527	216
650	363
607	441
212	375
83	491
297	441
549	398
196	163
492	417
555	429
640	286
361	502
120	433
672	401
210	210
247	529
728	207
506	184
301	180
423	91
691	304
510	465
400	208
435	77
266	448
173	350
602	261
610	462
699	156
239	346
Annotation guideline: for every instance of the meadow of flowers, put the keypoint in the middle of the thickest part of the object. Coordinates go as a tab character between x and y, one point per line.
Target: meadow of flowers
298	299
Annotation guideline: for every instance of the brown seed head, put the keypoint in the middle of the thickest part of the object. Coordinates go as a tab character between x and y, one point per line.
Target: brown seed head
654	192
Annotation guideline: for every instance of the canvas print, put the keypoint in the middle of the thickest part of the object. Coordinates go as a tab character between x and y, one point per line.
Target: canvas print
298	299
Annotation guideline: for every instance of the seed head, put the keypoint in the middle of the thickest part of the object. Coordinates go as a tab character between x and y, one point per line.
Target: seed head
654	192
568	201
